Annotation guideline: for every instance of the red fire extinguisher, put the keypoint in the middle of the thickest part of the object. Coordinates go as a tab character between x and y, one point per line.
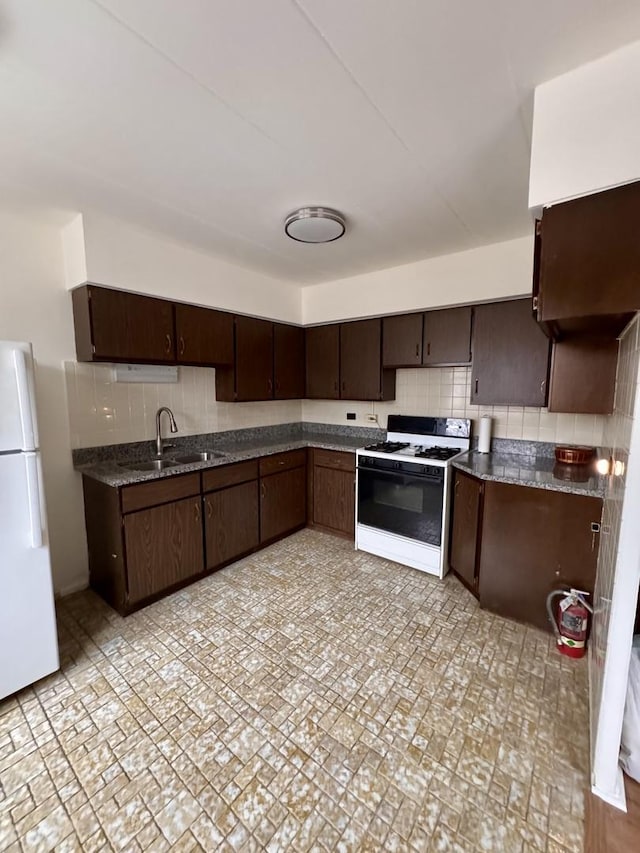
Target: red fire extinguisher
571	621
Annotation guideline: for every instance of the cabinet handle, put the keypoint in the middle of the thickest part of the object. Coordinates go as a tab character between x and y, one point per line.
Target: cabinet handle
270	385
417	350
476	391
263	490
209	509
335	386
197	512
167	338
543	385
344	385
428	347
535	304
181	345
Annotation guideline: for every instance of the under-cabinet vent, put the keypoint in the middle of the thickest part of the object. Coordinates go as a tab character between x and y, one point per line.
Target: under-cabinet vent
152	373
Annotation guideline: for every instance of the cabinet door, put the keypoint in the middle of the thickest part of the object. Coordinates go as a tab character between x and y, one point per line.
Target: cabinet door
334	499
323	362
467	498
361	360
254	359
204	336
163	546
231	523
590	260
535	541
583	375
402	340
447	336
283	503
131	328
288	362
510	356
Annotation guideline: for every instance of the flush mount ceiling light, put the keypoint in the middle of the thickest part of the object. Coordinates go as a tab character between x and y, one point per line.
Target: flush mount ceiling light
315	225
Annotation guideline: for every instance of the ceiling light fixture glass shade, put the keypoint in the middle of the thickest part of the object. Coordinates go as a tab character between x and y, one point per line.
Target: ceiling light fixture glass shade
315	225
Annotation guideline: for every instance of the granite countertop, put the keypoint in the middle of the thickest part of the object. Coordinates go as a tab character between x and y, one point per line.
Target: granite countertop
535	471
113	474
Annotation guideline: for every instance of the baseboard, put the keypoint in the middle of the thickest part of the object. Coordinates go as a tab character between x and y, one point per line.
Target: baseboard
77	586
617	797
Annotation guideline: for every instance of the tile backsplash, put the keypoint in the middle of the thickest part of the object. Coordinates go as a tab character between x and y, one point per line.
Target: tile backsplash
617	438
442	392
102	411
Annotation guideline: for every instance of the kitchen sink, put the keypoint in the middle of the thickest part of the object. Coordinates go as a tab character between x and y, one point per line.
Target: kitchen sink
202	456
151	465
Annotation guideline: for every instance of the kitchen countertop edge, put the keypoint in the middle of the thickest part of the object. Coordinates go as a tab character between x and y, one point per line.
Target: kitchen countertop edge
113	474
535	472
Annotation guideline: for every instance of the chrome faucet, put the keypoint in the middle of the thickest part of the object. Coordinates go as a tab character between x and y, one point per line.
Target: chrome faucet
172	426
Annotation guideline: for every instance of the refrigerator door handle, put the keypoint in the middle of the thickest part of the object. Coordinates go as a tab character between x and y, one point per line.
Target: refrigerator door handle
24	400
33	491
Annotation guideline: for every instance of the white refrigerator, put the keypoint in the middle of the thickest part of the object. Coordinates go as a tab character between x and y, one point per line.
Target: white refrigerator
28	639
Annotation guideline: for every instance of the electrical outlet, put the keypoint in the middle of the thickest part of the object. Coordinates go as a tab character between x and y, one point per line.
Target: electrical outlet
351	416
372	418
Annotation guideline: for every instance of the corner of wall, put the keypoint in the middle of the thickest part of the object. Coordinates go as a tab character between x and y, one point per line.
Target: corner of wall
74	253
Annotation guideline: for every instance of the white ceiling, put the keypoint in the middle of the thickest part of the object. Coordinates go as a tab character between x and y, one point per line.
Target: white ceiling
210	120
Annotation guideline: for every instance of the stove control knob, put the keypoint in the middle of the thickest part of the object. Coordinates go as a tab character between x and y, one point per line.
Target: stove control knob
396	465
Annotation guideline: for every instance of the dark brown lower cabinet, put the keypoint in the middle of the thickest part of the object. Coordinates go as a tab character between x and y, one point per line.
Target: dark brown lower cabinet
163	546
283	503
332	492
534	541
231	523
530	541
465	527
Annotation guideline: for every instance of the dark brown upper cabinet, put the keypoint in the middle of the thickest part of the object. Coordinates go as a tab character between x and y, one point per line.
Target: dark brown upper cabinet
251	378
323	362
402	340
204	336
447	337
361	373
288	362
113	325
589	262
583	374
510	356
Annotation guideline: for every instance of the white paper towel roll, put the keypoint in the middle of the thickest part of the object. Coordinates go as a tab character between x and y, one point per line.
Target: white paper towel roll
484	436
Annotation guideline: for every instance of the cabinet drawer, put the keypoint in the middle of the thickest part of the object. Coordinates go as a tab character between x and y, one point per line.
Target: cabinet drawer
282	461
157	492
229	475
337	459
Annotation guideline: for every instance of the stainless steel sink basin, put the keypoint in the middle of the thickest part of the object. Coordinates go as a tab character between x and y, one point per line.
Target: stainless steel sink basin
202	456
151	465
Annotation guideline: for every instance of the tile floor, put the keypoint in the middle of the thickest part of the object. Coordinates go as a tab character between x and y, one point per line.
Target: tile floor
306	698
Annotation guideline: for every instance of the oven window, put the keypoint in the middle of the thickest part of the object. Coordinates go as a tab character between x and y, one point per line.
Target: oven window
401	503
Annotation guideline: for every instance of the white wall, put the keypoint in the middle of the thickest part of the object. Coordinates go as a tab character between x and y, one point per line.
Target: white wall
490	272
586	127
35	306
108	251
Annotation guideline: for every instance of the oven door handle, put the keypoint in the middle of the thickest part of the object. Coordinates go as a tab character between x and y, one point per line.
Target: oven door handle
432	478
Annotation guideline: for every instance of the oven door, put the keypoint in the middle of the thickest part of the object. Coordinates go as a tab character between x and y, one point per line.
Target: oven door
408	504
